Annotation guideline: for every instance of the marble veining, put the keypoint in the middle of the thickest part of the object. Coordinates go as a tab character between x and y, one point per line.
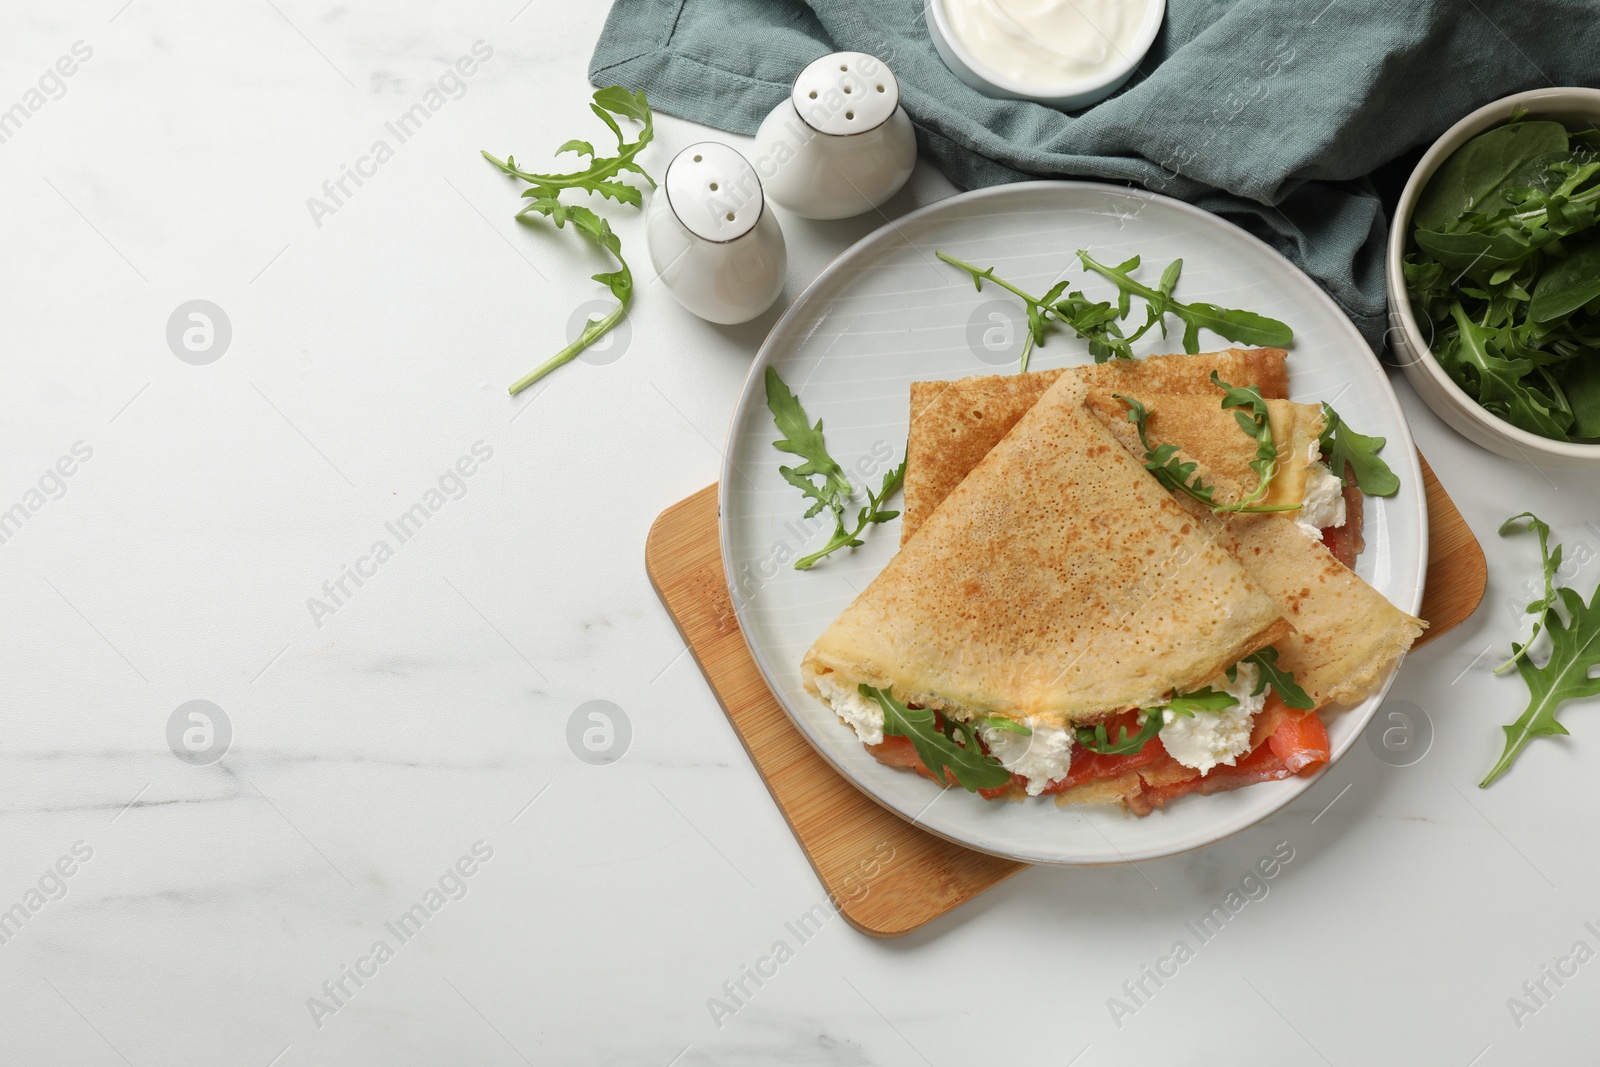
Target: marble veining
251	799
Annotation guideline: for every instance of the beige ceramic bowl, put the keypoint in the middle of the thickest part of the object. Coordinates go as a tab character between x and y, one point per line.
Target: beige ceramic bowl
1410	338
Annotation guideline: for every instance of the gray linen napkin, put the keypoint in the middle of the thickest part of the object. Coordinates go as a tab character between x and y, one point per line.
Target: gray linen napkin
1271	113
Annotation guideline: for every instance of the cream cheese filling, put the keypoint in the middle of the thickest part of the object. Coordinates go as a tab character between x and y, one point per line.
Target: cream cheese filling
864	716
1206	738
1323	505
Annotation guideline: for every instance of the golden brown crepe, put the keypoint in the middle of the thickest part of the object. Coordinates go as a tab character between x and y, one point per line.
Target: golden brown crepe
1059	580
1211	435
955	424
1347	634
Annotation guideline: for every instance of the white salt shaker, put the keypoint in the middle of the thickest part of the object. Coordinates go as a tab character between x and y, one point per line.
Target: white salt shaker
713	242
841	144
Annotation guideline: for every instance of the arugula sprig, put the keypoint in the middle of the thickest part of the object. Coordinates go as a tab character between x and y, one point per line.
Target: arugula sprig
1574	652
834	491
1550	562
602	176
619	281
1096	738
1206	699
967	763
1282	681
1099	322
1245	327
603	172
1095	322
801	438
870	515
1574	645
1341	446
1181	477
1163	461
1251	412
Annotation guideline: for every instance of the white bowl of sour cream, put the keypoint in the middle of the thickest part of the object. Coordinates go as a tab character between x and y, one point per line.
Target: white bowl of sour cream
1064	53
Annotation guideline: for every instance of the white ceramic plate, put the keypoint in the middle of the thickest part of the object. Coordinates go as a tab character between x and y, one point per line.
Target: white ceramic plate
887	313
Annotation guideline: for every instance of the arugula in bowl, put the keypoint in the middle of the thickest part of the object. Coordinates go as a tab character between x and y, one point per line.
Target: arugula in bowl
1504	267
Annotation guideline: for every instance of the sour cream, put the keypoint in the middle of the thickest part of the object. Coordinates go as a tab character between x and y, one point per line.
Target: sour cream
1049	43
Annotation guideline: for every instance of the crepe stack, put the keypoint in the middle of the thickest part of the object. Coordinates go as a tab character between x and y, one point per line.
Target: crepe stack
1346	633
1045	575
955	424
1058	581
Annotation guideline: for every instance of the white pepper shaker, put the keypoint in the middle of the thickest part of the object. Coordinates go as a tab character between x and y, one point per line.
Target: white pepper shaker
841	144
713	242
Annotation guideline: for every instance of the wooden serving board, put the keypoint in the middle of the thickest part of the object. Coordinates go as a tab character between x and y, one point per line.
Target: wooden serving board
886	876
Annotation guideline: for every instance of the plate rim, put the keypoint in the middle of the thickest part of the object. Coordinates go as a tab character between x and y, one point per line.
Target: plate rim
748	398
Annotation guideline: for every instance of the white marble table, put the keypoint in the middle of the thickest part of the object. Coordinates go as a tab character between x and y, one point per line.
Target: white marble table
407	744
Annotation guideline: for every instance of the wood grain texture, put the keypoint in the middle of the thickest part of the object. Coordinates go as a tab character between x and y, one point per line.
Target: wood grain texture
1457	571
885	875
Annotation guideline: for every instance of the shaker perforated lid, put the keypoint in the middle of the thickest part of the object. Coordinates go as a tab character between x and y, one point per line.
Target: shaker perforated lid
845	93
714	191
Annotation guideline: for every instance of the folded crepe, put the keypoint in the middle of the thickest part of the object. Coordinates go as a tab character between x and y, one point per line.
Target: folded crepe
955	424
1346	633
1057	582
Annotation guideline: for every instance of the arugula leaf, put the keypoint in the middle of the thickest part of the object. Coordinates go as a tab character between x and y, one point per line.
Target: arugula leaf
1206	699
1581	384
1094	737
970	766
1010	726
601	176
1480	255
834	491
1094	322
1180	477
1246	327
1574	652
1498	377
1567	286
1341	445
802	439
1282	681
1550	562
1163	461
1169	277
1098	321
870	515
620	282
1475	173
1256	424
